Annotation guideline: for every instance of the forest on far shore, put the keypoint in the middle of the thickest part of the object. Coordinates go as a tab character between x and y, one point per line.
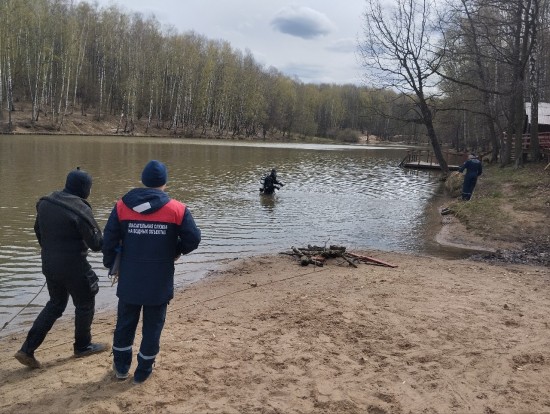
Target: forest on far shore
462	86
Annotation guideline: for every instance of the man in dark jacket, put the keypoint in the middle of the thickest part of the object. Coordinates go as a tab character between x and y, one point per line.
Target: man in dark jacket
149	231
473	169
66	229
271	183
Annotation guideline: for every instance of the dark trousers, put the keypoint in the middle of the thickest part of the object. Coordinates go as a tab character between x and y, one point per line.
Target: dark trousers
78	288
125	331
470	182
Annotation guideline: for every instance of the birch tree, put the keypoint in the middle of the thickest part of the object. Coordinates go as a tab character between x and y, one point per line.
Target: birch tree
7	58
534	82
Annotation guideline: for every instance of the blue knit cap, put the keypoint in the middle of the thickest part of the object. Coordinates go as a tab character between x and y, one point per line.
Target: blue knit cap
154	174
78	183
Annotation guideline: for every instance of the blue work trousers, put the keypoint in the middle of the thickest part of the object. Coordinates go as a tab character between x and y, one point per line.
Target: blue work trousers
125	331
470	181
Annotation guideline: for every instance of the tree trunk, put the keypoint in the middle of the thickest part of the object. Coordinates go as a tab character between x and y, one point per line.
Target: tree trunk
1	88
9	91
428	122
534	89
150	116
519	121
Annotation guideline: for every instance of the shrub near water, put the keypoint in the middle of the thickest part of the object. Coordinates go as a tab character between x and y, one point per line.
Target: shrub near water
345	135
453	184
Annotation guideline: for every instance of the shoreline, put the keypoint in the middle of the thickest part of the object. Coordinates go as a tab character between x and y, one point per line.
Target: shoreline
264	334
447	232
452	233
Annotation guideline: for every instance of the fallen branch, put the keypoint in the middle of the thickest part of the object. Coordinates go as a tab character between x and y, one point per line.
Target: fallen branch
313	254
368	260
306	259
347	260
317	255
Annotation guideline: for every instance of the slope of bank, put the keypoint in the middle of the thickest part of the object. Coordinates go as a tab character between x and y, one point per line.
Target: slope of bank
87	124
508	216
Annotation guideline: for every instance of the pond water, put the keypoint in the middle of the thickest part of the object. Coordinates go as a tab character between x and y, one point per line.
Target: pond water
355	196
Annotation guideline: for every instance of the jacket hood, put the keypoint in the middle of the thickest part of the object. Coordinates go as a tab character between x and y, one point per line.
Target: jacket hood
145	200
79	183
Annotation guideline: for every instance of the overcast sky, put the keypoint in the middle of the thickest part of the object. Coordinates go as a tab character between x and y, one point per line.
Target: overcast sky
313	40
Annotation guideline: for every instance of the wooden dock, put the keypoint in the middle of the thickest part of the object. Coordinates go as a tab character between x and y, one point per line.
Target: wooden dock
426	160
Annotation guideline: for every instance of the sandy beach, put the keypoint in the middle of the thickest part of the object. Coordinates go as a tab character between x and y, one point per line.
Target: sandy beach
266	335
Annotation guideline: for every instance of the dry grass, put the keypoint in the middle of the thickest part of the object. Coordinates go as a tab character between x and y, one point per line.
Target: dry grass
509	204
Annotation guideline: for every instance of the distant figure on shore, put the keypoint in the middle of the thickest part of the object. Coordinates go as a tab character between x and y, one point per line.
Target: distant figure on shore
65	228
270	183
473	169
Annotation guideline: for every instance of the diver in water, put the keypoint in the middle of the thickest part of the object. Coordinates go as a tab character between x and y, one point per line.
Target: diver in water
270	183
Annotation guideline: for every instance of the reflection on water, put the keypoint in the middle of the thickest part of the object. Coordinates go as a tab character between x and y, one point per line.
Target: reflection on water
268	201
353	196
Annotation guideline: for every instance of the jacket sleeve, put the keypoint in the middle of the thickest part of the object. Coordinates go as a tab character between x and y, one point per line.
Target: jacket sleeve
111	238
37	230
480	171
90	231
189	234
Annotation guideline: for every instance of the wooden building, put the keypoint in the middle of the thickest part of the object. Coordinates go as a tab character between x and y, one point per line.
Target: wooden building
544	129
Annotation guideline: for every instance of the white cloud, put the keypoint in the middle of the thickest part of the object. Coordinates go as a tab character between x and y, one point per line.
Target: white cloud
308	39
302	22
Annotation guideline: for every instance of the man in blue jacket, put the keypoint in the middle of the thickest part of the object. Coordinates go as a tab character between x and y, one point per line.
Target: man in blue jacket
150	231
473	169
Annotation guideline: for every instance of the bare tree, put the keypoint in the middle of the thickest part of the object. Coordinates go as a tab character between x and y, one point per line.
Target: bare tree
534	83
523	15
399	52
470	61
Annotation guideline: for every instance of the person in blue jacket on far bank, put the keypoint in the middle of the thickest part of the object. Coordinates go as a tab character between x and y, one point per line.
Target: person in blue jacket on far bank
473	169
149	231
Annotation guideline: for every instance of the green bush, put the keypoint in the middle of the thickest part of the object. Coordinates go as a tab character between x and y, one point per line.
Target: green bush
347	135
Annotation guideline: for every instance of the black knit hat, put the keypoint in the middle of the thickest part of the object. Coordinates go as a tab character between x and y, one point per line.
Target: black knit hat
154	174
79	183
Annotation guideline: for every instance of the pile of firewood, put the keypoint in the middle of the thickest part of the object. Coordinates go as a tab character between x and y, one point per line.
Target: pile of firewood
317	256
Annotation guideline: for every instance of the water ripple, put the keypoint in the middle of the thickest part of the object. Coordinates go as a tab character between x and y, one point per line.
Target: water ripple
355	196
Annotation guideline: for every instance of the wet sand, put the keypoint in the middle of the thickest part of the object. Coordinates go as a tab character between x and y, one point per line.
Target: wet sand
267	335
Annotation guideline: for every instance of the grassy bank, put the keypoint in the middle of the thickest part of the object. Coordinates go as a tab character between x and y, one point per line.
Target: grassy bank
511	205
